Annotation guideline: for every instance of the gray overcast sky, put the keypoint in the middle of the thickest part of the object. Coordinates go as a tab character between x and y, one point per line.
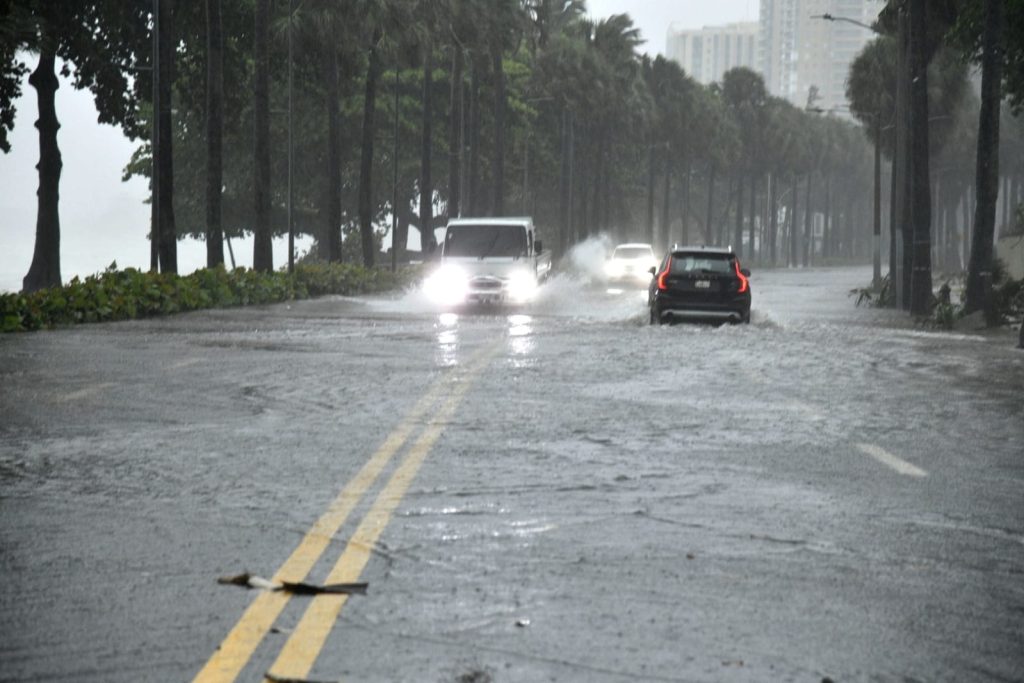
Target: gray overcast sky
653	17
103	219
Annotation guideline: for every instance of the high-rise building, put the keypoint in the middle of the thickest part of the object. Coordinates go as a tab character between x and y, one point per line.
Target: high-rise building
707	53
801	53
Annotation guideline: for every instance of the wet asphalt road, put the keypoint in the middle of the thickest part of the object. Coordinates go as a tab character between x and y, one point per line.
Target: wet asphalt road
558	493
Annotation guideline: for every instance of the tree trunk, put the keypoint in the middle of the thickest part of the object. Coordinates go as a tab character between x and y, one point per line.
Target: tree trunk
474	141
45	269
808	236
795	189
709	233
455	135
214	133
369	247
263	254
752	251
332	205
773	217
168	232
921	282
428	241
684	205
563	185
666	224
738	234
650	193
500	105
979	272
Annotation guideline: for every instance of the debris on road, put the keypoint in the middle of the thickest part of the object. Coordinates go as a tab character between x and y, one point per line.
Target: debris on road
248	580
287	679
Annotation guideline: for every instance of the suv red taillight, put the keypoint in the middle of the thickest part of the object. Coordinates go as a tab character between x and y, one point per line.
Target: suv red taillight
662	285
744	283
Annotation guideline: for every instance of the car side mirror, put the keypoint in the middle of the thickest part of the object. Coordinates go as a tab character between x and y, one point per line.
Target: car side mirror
652	270
745	271
538	246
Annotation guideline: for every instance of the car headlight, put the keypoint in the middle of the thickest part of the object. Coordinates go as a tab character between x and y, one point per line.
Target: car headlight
448	285
522	285
614	268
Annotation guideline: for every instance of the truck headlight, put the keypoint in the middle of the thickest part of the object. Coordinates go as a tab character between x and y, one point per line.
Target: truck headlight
448	285
522	286
614	268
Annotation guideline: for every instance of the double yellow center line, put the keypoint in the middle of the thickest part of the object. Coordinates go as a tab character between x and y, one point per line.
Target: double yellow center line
304	644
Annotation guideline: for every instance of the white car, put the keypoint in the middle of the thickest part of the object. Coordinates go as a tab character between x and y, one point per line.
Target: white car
631	263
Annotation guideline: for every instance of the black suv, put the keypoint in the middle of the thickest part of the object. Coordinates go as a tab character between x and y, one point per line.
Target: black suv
700	283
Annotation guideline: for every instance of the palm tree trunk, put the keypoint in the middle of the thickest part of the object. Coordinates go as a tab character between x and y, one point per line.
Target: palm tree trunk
738	234
795	189
709	231
563	185
214	133
684	204
773	217
366	156
650	193
753	214
474	140
263	255
168	232
808	233
666	204
921	280
427	143
979	279
500	105
45	269
332	205
455	135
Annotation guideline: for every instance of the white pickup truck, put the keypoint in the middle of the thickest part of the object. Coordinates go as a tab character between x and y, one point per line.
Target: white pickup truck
489	261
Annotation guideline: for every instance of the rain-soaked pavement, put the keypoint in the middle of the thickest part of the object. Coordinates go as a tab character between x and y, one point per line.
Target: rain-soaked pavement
556	493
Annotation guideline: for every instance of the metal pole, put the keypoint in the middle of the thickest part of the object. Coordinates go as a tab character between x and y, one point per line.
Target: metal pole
394	185
291	150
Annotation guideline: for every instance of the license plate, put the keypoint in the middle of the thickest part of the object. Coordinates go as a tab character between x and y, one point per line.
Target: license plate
702	284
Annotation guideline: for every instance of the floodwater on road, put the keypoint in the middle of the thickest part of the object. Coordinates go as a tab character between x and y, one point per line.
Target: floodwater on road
553	492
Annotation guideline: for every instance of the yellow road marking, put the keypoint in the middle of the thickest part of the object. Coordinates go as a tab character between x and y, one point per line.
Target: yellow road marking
890	460
304	644
238	646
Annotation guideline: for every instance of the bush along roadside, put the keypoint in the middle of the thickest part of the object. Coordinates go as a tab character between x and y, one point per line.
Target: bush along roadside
128	294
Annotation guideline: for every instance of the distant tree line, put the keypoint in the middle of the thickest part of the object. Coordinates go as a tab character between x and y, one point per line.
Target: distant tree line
418	110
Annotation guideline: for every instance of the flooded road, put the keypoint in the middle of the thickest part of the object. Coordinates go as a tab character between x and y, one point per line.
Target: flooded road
558	492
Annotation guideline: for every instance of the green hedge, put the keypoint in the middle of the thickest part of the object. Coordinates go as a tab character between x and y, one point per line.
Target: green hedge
130	293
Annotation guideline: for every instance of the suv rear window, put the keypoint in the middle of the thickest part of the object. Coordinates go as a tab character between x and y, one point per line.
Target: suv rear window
701	263
633	252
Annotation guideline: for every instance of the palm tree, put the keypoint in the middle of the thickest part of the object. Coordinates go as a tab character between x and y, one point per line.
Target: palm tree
978	288
214	133
263	255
